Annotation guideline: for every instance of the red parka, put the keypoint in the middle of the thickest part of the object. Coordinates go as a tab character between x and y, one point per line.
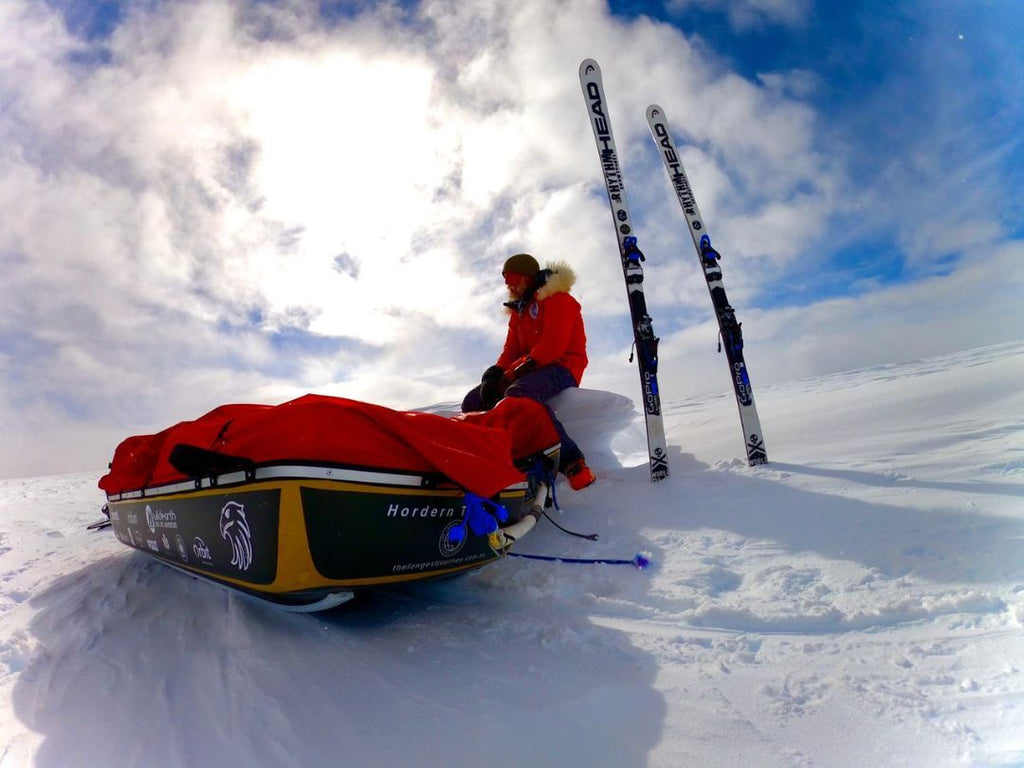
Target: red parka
549	329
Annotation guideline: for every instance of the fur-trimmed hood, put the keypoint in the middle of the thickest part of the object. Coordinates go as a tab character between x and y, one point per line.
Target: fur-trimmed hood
560	280
558	277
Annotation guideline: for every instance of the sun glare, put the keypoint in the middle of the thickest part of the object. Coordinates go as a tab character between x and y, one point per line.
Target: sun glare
349	159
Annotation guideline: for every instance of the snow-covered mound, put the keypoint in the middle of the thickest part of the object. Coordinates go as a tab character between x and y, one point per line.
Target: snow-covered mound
858	601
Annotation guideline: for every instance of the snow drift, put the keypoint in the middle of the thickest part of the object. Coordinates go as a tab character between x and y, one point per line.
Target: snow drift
858	601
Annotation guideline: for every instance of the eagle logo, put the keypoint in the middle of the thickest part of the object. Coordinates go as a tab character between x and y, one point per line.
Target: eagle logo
234	529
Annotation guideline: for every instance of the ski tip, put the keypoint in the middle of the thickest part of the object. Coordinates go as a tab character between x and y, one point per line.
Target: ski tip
588	67
654	112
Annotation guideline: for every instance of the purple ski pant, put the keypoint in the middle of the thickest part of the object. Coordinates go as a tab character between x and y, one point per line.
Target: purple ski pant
541	385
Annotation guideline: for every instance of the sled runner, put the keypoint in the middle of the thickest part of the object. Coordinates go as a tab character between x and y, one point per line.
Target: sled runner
302	503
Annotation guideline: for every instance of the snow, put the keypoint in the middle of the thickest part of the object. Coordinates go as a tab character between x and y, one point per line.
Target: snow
858	601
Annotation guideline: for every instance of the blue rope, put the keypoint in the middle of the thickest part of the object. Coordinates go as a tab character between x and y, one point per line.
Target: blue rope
483	516
639	561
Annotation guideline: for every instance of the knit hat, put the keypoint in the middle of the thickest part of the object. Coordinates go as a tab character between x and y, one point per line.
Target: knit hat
521	264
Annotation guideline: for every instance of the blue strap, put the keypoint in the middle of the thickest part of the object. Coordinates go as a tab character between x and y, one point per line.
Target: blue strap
707	252
482	517
632	250
541	472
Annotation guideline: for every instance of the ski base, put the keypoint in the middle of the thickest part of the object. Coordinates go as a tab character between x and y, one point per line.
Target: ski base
310	603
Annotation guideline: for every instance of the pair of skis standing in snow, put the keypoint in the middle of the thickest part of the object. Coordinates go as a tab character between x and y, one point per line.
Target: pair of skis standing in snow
645	342
643	332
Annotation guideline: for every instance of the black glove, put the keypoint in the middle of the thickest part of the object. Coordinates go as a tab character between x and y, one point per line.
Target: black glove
528	365
491	389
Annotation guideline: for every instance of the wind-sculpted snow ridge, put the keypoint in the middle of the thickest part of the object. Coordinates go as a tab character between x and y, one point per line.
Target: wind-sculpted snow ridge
858	601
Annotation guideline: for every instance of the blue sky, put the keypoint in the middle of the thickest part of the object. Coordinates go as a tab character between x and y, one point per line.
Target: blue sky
888	79
213	201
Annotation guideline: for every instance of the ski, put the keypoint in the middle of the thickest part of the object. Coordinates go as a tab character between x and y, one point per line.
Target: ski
645	341
102	523
729	328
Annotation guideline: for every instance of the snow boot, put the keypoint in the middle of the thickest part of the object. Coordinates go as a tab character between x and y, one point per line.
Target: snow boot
579	475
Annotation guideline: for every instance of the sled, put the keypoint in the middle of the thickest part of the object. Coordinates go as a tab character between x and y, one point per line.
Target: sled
303	504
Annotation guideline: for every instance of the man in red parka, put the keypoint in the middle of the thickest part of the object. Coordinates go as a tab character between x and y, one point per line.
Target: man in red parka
545	350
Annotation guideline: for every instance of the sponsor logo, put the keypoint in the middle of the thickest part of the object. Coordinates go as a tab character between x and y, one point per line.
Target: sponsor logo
756	453
679	180
234	529
742	384
156	519
445	545
201	551
651	400
182	550
600	120
659	465
606	150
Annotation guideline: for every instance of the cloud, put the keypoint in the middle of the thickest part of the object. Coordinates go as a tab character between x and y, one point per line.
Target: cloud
223	201
977	305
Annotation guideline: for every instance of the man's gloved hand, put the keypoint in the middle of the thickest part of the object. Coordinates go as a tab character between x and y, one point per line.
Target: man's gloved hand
491	388
519	368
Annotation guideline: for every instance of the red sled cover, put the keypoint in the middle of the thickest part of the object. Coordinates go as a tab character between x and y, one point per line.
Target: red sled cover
474	450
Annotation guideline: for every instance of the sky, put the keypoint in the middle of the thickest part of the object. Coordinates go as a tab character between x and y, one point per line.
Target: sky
210	201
